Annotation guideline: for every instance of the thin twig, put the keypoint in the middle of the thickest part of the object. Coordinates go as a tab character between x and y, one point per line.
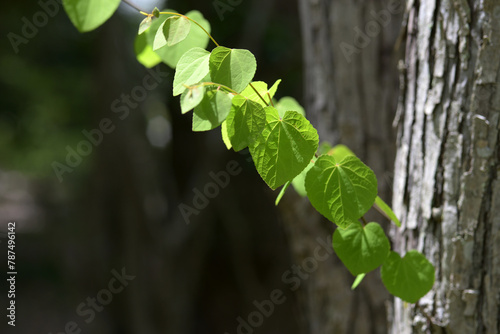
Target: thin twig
133	6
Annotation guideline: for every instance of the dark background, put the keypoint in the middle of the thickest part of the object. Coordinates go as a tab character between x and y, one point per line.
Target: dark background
119	207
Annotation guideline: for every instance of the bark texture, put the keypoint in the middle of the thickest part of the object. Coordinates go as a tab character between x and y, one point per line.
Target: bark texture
446	190
350	97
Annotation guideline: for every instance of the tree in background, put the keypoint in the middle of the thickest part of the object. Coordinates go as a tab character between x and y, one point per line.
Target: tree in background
351	87
445	181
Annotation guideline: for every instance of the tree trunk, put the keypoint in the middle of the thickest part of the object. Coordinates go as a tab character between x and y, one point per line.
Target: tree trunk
446	190
351	97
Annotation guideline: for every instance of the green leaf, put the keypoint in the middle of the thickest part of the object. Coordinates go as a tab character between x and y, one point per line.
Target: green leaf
212	111
342	192
409	278
225	135
245	122
144	52
196	38
172	31
357	281
191	69
234	68
299	181
191	98
145	24
86	15
384	209
263	91
284	148
282	193
361	249
289	103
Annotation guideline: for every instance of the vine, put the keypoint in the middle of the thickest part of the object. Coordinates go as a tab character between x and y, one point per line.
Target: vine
218	87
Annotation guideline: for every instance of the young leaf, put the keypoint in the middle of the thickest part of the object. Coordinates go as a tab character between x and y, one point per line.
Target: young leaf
263	91
212	111
191	69
282	193
244	122
86	15
191	98
289	103
410	277
385	209
172	31
156	12
357	281
234	68
284	148
225	135
274	88
361	248
145	24
196	38
144	52
342	192
299	181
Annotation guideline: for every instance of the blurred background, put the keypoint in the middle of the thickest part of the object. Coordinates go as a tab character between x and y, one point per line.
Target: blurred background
96	161
113	207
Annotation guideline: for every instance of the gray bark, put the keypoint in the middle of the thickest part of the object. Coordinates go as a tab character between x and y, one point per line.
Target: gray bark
351	98
446	189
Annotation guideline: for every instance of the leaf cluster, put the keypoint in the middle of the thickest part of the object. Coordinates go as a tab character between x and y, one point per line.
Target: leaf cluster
219	87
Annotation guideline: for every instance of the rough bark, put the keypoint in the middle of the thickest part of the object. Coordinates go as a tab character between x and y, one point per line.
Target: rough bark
446	189
351	99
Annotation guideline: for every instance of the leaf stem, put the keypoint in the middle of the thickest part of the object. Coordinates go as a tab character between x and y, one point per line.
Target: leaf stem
267	104
190	19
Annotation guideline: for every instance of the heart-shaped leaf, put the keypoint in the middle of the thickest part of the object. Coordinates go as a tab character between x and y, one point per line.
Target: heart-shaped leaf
191	69
245	122
284	148
86	15
172	31
234	68
361	249
212	111
342	192
410	277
